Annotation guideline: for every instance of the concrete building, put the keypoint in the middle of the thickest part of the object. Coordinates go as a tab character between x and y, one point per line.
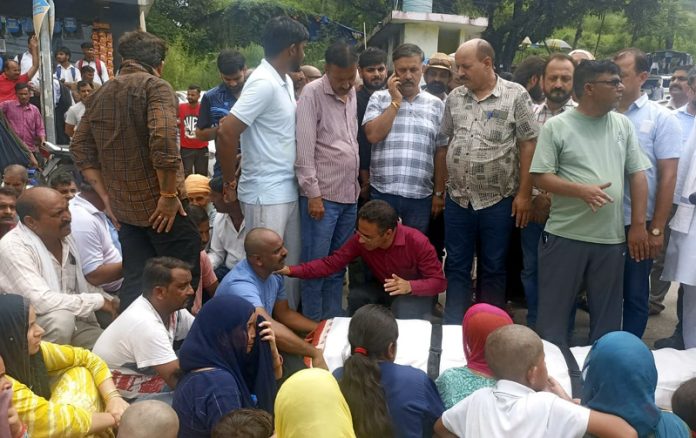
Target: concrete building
432	32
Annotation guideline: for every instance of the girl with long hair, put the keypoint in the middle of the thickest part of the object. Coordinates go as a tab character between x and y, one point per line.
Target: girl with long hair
385	399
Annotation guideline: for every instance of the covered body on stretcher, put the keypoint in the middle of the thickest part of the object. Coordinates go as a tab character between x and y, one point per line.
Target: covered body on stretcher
413	348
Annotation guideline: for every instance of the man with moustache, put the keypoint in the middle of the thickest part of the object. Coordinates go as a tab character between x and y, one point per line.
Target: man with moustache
438	72
39	259
139	346
583	157
8	210
261	126
678	94
16	177
327	172
557	85
492	136
372	68
403	125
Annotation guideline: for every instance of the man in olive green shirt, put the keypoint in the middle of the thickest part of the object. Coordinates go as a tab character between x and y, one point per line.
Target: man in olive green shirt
582	157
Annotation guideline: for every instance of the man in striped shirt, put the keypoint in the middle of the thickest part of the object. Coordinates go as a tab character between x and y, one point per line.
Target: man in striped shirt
327	172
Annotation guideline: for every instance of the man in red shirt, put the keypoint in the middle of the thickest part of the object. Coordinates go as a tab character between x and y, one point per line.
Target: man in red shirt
10	73
194	153
405	267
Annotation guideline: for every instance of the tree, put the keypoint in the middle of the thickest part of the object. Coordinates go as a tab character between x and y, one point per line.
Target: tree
510	21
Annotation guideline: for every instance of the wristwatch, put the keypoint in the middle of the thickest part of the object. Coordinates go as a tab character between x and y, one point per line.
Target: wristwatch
439	194
656	232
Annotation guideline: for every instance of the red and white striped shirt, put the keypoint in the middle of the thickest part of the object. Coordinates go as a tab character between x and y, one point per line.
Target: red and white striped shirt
327	146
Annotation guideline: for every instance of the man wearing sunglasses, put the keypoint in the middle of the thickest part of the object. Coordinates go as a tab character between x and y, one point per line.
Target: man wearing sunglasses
582	157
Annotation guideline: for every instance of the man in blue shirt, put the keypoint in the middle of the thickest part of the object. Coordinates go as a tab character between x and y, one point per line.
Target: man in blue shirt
255	280
217	102
659	135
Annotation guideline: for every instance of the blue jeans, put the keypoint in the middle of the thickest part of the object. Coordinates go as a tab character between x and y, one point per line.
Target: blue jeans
464	227
530	236
636	294
322	298
414	213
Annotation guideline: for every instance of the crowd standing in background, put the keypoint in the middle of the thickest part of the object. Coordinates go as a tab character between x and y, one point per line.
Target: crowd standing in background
143	297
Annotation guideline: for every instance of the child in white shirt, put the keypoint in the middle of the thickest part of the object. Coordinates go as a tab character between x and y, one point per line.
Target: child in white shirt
525	402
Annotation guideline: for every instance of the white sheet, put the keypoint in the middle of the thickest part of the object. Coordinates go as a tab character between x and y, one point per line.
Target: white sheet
413	347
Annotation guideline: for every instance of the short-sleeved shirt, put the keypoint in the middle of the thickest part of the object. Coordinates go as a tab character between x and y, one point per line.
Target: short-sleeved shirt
90	228
267	106
412	398
686	120
403	163
138	340
188	118
456	384
7	90
70	74
215	104
659	135
75	113
512	410
243	282
483	158
589	150
101	74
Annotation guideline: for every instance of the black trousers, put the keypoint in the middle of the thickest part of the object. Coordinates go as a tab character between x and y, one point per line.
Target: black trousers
402	306
195	161
142	243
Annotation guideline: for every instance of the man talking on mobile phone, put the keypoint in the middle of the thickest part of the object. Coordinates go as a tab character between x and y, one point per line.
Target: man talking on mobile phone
402	123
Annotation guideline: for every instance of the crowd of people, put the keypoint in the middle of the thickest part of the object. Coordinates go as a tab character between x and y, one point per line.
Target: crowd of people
145	298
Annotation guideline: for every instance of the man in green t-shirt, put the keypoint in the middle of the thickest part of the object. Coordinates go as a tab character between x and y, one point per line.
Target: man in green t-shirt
582	157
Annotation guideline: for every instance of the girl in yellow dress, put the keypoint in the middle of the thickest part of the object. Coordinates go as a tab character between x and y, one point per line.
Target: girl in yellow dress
58	390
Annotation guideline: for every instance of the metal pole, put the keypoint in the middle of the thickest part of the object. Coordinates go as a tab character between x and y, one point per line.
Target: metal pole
46	76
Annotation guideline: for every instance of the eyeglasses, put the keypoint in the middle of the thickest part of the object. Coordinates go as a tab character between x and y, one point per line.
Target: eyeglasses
367	238
678	79
614	82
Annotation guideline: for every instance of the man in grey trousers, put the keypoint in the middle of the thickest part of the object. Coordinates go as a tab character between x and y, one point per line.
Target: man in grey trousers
582	157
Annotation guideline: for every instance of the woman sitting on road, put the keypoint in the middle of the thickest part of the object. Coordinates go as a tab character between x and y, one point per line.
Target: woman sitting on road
58	390
231	362
620	379
455	384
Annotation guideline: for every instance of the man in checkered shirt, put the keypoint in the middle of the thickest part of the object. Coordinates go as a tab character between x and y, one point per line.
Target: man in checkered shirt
403	125
492	134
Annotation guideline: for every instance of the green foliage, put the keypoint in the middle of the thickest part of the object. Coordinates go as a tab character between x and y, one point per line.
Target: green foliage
184	66
198	29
